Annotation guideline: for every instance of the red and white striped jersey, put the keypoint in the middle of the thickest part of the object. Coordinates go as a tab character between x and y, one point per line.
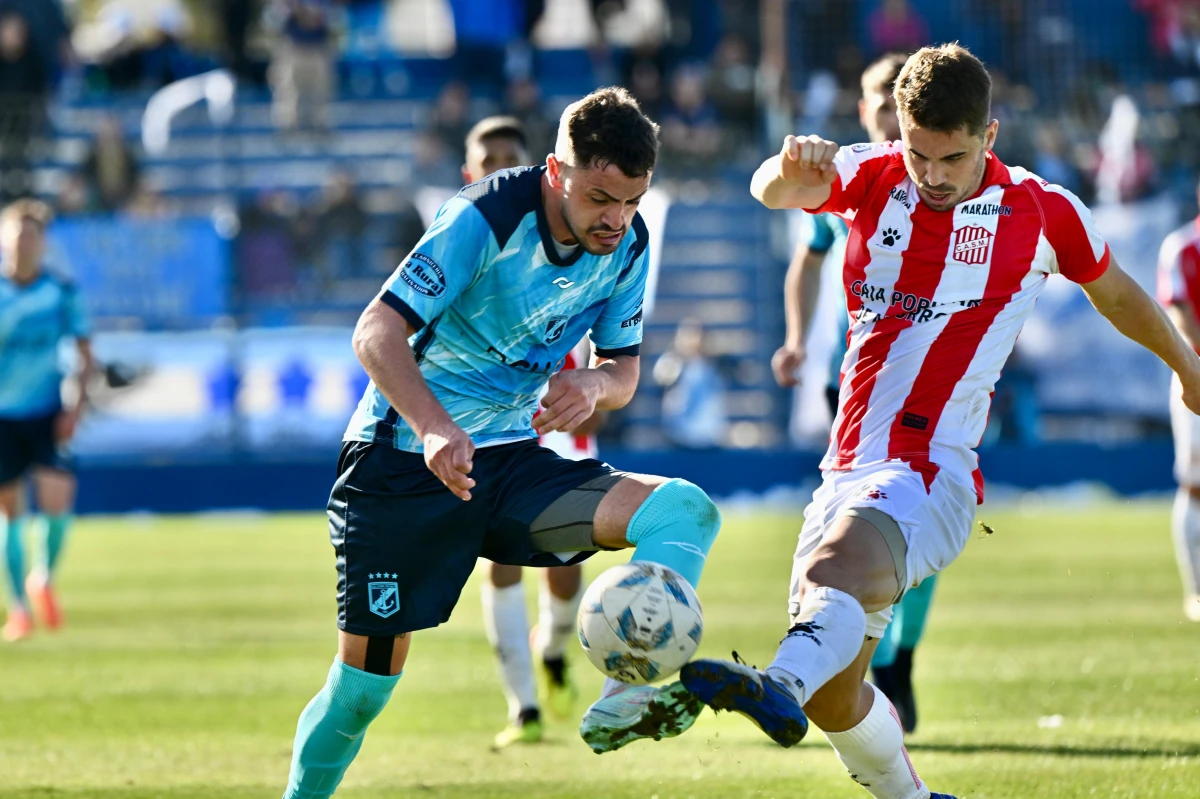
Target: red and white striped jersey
574	447
936	300
1179	267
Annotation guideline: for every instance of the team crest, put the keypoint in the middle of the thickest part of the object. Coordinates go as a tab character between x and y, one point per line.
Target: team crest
555	328
384	596
972	244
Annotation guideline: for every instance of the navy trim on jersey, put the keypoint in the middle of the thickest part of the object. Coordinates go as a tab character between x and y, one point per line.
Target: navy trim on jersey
640	242
632	349
506	197
401	307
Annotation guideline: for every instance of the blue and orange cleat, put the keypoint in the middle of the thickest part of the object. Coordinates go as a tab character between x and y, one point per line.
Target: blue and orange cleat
723	685
44	600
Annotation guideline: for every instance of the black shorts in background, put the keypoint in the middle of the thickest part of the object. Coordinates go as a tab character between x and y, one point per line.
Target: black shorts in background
25	443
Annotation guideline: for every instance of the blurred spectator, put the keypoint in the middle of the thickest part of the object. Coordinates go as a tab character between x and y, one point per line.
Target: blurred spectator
644	78
267	247
49	33
110	169
147	202
693	401
302	63
896	25
450	122
732	85
139	43
485	33
525	103
73	197
1052	162
691	136
235	18
338	223
24	88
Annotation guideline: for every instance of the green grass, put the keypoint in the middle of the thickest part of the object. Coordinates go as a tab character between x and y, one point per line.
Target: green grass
193	643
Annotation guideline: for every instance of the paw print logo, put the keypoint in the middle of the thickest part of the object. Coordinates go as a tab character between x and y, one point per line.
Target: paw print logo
890	237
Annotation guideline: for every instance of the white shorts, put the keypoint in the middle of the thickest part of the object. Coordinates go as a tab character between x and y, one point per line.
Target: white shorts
935	524
1185	426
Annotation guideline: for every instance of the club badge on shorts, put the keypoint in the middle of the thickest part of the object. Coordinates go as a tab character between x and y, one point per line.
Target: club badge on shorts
383	595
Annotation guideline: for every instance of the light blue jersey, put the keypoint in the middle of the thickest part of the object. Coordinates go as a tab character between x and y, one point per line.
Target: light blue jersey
826	233
496	310
34	319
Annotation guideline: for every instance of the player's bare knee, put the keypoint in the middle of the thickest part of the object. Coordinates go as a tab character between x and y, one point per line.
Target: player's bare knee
1193	491
564	581
502	575
10	499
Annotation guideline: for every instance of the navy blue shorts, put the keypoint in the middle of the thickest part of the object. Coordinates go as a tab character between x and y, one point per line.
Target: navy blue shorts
406	546
25	443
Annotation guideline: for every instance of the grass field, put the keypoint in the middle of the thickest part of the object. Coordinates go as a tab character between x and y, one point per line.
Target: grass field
193	643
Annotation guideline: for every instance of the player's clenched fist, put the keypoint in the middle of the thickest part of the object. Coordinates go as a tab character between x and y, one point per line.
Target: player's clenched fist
449	454
570	401
786	365
808	161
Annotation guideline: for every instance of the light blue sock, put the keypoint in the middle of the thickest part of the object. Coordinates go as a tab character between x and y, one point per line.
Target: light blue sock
52	533
889	644
14	561
675	526
916	610
332	727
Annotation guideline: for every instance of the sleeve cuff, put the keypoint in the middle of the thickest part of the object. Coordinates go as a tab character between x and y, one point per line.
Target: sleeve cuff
1095	272
401	307
632	349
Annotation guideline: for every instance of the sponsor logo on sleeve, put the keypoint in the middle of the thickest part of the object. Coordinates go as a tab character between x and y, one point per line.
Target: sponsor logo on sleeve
861	148
634	320
422	274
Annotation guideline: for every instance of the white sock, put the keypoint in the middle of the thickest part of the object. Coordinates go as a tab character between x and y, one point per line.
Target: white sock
873	752
826	635
507	630
1185	525
557	619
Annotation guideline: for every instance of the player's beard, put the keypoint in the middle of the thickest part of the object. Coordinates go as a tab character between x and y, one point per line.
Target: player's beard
583	239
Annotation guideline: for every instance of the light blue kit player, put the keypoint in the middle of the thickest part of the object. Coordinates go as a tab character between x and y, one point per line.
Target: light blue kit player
441	464
825	241
38	312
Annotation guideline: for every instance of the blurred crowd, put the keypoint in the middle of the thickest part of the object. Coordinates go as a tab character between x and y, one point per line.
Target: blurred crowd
1101	96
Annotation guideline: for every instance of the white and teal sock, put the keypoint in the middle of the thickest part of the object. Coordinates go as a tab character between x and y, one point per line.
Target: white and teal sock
874	754
52	534
332	727
507	628
675	526
557	619
826	636
14	562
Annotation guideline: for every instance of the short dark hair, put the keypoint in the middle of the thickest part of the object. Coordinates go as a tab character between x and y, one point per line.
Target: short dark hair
944	89
608	127
880	77
28	208
497	127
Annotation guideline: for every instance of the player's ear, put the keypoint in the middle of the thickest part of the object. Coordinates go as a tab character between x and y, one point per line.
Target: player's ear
554	171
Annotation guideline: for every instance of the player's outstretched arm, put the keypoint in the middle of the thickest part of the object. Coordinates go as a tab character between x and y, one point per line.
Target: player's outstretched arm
1184	317
572	396
381	344
1135	313
799	177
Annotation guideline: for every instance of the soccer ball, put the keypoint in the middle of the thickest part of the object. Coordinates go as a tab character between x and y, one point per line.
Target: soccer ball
640	622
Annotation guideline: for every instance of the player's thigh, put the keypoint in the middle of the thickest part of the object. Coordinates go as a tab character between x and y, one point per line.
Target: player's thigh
405	546
564	581
843	702
546	507
856	556
619	506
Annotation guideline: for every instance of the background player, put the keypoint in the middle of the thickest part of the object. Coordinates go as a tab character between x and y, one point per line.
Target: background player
1179	292
38	310
891	667
497	143
949	250
440	464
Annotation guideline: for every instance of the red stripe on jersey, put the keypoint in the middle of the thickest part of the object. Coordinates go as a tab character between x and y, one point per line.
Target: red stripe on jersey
1189	268
866	222
921	269
1068	236
951	353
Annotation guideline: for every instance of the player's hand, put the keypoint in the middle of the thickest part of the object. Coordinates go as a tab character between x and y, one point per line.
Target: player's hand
449	454
1191	396
64	426
786	365
570	400
808	162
